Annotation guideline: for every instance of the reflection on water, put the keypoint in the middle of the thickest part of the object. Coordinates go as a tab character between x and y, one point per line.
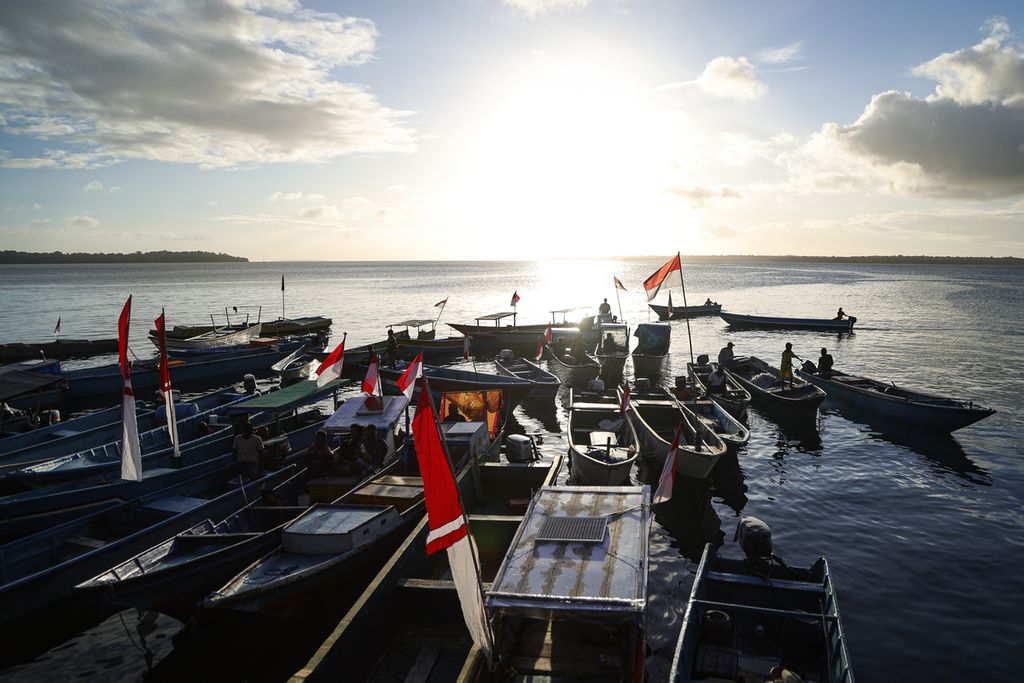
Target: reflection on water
689	518
728	483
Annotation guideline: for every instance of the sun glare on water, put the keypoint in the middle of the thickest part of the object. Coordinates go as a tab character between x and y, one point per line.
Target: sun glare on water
572	158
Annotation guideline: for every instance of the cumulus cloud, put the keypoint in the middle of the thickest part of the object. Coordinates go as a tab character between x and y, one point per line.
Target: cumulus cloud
97	186
534	8
222	83
966	139
700	196
781	55
295	197
352	214
731	77
82	221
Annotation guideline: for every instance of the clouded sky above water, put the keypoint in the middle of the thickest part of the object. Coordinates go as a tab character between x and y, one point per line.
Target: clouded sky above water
491	129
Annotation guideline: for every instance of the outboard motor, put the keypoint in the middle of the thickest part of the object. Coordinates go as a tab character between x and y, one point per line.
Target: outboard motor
755	538
703	359
643	385
596	385
810	367
249	382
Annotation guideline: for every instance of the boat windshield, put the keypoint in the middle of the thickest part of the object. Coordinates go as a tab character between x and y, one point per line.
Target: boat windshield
653	338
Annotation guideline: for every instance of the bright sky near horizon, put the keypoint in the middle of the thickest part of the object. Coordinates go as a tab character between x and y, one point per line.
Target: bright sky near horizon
494	129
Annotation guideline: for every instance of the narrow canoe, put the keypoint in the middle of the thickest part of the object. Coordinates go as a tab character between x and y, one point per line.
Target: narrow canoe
681	312
766	388
824	324
731	431
573	371
60	349
221	336
655	418
603	445
545	384
735	399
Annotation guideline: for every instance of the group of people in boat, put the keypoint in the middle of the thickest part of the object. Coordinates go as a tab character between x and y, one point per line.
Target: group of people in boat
727	357
361	453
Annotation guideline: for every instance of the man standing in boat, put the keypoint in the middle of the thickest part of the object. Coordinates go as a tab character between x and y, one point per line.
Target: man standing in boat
393	351
605	308
726	356
786	368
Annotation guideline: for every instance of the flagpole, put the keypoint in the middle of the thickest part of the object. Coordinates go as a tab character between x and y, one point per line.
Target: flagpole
686	314
440	313
619	301
282	296
465	519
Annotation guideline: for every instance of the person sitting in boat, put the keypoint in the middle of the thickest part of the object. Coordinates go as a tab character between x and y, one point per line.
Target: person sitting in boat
716	381
320	457
248	448
578	351
709	302
825	364
726	356
371	451
605	308
609	345
348	452
453	415
840	314
786	367
393	351
249	385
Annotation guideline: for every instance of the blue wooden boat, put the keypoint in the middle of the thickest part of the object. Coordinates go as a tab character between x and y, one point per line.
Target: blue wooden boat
312	342
40	571
766	388
23	436
172	576
513	389
914	408
822	324
741	623
682	312
153	434
545	384
731	431
576	371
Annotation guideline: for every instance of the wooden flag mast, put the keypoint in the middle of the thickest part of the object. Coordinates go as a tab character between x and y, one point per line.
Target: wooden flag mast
686	313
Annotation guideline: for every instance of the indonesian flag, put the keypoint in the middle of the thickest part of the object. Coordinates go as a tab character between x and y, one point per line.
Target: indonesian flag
330	369
540	347
624	406
407	382
547	335
371	383
165	384
441	304
282	282
448	528
465	347
653	283
668	473
515	298
619	285
131	450
670	304
56	330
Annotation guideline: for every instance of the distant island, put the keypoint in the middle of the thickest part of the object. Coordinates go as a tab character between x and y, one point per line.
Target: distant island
899	259
18	257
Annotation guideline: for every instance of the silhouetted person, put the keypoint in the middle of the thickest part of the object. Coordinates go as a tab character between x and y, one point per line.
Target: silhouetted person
825	364
393	350
453	414
605	308
786	367
726	357
248	448
716	381
840	314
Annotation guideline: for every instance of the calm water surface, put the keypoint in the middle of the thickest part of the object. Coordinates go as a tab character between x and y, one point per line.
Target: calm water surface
923	534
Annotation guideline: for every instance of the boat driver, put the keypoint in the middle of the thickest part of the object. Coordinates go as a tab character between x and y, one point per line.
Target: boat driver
605	308
726	356
825	364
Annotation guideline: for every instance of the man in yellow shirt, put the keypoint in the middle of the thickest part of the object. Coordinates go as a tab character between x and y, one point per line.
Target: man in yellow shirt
786	369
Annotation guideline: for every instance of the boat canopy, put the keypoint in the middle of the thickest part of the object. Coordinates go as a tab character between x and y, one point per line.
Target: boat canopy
289	398
654	336
579	550
354	411
496	316
17	382
564	313
413	323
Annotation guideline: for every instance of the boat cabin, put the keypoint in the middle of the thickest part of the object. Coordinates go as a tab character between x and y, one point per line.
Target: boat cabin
619	341
570	597
415	324
497	318
653	339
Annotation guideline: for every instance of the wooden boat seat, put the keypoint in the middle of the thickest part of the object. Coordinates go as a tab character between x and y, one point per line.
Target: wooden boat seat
401	497
424	664
398	480
777	584
727	606
63	433
85	542
603	438
175	505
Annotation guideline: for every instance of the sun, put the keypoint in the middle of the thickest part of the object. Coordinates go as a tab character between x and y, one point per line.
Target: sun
573	154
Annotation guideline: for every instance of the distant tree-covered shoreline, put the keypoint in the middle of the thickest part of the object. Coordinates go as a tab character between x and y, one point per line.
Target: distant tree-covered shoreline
898	259
19	257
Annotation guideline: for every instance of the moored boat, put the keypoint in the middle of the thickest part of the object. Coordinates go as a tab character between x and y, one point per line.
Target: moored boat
612	351
823	324
937	413
568	359
521	338
735	398
295	367
731	431
442	380
61	349
766	387
655	418
231	335
651	351
545	384
681	312
603	444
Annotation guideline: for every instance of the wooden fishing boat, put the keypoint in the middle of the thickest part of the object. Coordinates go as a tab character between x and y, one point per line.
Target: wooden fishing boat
765	385
284	344
612	352
545	384
23	436
443	379
576	370
823	324
655	418
651	351
41	570
432	349
281	327
295	367
522	339
731	431
735	398
603	445
61	349
174	575
409	617
741	623
937	413
152	426
231	335
682	312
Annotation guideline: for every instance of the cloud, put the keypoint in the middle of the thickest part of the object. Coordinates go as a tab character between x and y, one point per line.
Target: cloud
534	8
731	77
719	232
222	83
700	196
82	221
965	140
781	55
295	197
353	214
97	186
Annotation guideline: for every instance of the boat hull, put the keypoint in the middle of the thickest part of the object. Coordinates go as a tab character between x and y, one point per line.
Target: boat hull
61	349
545	384
682	312
804	400
647	365
577	376
735	399
689	462
214	339
821	324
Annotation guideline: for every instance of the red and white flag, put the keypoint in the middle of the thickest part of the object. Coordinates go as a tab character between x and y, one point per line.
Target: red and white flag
407	382
165	384
547	335
448	528
371	383
465	347
131	450
330	369
624	406
441	304
670	304
667	480
515	298
56	329
540	347
653	284
619	285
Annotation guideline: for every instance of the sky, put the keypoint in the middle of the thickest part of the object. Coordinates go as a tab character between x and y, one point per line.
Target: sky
512	129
